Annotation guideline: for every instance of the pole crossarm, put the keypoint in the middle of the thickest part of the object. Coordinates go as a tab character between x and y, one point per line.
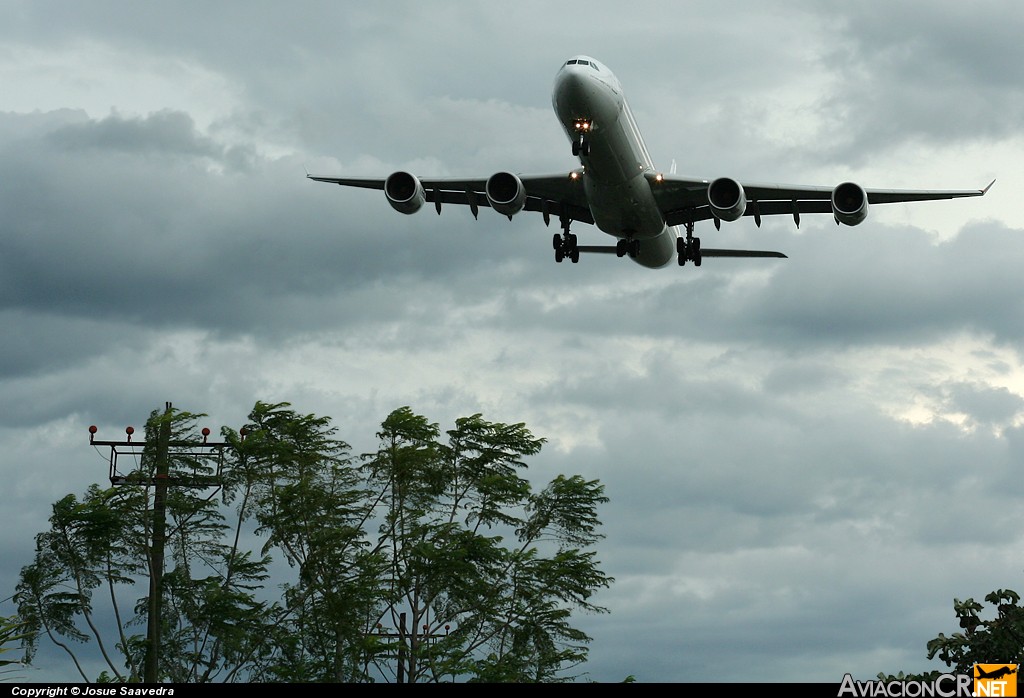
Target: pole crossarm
192	463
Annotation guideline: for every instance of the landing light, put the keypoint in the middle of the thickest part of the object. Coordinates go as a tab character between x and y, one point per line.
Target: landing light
659	177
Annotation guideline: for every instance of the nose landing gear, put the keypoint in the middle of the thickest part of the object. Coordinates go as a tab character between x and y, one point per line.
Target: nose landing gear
581	146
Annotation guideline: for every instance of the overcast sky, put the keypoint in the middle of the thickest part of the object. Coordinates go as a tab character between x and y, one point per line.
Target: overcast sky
807	459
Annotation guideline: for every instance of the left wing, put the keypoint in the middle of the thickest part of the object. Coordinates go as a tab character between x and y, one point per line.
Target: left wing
555	195
686	200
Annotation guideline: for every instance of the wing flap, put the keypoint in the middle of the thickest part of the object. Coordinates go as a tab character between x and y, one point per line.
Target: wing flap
762	208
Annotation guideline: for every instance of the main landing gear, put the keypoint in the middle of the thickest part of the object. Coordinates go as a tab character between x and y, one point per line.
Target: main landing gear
565	247
627	246
688	248
565	244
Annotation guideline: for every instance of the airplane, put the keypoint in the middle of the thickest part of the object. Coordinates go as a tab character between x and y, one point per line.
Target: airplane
617	188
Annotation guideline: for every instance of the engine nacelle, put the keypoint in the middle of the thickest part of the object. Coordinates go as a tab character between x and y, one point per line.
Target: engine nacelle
404	192
506	193
727	199
849	203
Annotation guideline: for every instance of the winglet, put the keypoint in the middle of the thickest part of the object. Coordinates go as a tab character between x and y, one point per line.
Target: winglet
985	190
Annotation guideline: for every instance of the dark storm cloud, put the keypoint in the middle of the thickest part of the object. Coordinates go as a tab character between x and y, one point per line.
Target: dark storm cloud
880	284
46	343
841	287
906	73
124	218
166	133
982	403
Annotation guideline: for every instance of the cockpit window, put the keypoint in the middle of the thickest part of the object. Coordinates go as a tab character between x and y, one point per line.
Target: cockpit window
584	62
572	62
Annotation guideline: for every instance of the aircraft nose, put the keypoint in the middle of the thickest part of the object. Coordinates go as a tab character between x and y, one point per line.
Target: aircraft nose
571	87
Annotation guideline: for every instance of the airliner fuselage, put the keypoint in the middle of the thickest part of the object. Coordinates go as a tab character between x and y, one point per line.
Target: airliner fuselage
596	117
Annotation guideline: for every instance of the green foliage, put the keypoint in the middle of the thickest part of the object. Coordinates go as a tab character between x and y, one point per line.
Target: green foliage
996	641
471	550
11	631
310	504
430	559
102	543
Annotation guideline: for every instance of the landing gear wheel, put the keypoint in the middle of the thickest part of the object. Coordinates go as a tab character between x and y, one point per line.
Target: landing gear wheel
575	148
634	248
688	249
566	246
620	248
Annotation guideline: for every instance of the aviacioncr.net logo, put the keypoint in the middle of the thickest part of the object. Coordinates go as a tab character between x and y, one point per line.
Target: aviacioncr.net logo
995	680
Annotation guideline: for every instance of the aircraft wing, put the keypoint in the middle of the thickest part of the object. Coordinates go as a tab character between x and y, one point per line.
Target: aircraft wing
553	195
681	199
685	200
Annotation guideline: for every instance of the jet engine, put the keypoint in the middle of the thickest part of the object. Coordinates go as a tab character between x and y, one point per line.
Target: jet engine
727	199
849	203
404	192
506	193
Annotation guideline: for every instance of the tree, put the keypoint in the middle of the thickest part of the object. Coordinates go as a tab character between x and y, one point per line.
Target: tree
469	575
210	621
310	504
465	602
996	641
11	631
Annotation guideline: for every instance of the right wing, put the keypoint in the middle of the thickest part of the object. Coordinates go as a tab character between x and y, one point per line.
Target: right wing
685	200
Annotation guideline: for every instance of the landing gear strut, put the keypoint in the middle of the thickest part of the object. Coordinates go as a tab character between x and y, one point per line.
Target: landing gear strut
565	244
688	248
581	146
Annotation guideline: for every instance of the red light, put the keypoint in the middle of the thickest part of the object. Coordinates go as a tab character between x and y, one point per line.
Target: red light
93	429
129	430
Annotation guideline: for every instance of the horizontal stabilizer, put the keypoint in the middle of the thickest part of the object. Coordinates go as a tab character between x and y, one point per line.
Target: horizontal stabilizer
707	252
602	249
